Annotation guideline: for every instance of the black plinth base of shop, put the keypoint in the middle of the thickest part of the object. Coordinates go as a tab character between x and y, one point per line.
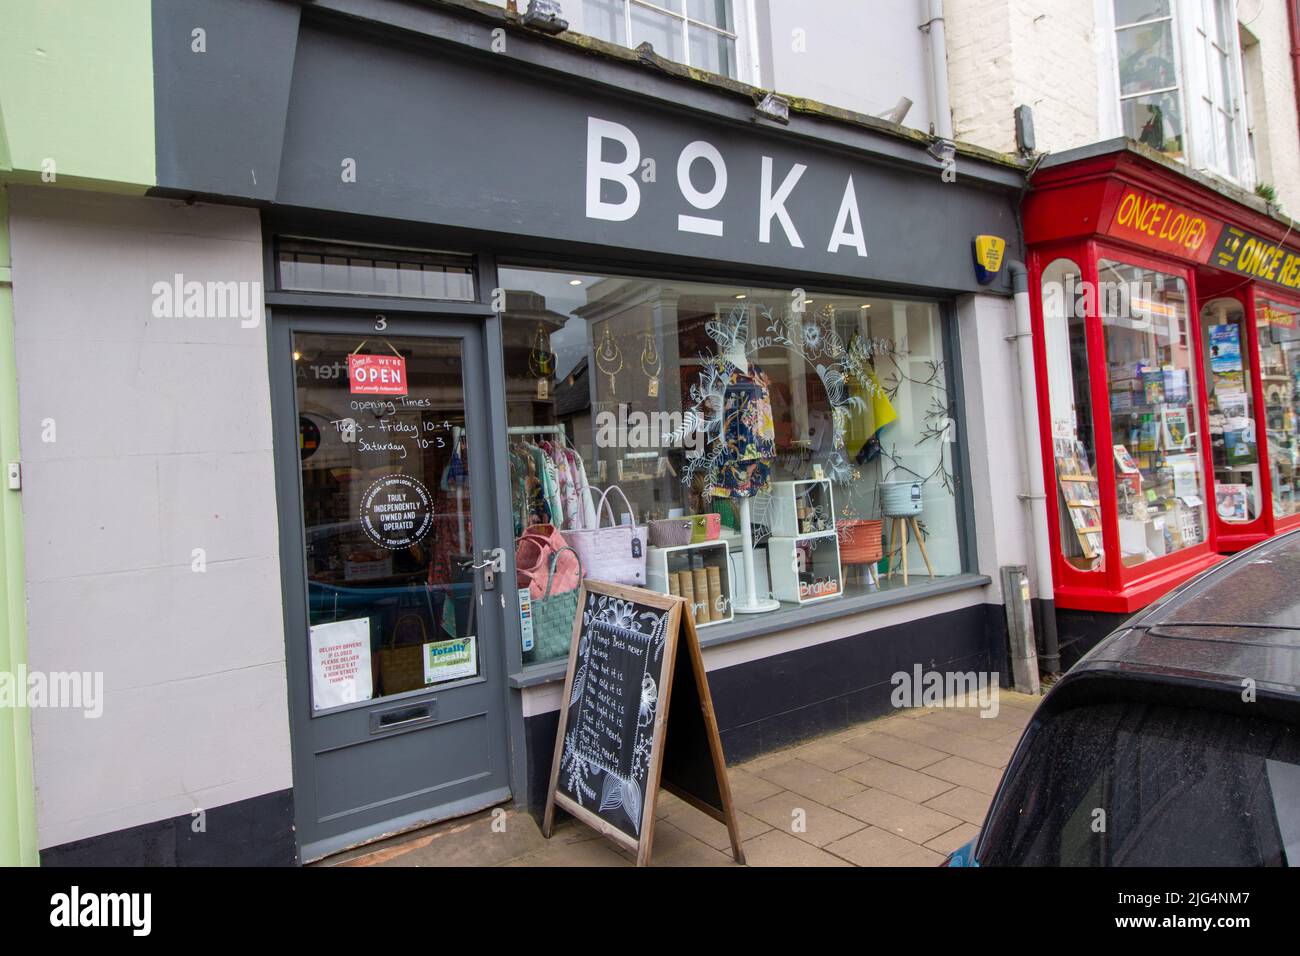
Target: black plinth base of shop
253	832
1081	631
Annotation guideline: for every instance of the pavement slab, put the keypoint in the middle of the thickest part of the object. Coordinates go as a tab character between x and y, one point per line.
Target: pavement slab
905	789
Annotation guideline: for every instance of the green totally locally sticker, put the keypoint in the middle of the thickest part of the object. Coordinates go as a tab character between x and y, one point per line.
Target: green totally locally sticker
450	660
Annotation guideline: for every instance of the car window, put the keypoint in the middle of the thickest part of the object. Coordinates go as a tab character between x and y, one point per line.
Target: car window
1132	784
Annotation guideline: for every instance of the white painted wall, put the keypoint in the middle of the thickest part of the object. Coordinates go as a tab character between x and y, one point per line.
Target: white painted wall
163	445
994	433
860	56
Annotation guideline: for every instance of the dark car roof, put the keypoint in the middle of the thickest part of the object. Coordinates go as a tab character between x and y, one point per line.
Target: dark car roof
1240	620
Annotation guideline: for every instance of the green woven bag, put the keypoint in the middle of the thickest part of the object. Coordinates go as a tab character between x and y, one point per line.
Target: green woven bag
553	618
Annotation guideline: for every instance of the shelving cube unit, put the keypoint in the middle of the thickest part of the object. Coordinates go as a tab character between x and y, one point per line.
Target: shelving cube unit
660	562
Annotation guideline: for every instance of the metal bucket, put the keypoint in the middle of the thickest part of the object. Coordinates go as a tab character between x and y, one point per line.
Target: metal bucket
900	499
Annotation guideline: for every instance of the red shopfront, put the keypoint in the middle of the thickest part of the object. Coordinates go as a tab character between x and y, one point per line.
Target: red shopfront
1167	351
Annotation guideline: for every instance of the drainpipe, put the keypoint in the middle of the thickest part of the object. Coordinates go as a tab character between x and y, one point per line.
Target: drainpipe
1293	21
1034	496
941	111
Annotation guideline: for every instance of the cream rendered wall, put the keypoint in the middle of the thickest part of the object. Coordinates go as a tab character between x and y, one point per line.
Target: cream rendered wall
981	85
162	444
1276	101
1002	55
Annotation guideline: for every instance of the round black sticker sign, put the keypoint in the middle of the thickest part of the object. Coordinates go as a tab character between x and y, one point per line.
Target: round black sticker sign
396	512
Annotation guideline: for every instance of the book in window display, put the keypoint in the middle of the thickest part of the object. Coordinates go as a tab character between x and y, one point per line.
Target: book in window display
1231	501
1079	492
1174	426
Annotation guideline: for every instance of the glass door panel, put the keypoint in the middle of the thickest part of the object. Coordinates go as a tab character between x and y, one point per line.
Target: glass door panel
1231	427
386	514
1279	369
1155	432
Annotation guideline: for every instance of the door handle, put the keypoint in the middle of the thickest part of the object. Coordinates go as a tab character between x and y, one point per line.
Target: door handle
487	567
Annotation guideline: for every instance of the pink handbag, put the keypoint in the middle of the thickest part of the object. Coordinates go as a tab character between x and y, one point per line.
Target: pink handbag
615	553
533	553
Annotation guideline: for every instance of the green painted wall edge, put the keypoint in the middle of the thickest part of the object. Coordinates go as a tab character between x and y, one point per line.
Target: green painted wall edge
76	93
76	111
17	788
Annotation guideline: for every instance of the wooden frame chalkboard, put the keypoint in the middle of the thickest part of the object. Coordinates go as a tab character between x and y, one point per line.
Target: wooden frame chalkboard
635	652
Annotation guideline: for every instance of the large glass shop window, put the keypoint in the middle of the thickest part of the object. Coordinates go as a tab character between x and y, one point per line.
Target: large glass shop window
652	422
1074	446
1279	367
386	511
1234	443
1150	375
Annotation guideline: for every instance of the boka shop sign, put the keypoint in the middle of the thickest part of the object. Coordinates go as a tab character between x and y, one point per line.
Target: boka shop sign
377	374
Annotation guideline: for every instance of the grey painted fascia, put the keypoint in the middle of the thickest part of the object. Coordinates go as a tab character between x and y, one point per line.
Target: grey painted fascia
272	25
587	61
744	629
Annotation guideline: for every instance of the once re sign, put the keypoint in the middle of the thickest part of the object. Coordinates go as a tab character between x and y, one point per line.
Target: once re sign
377	374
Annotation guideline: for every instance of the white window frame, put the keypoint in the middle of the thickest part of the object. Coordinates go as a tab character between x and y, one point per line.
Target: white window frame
1193	87
1205	153
745	23
1180	86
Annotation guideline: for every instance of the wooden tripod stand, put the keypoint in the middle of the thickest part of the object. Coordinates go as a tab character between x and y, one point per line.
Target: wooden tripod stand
898	527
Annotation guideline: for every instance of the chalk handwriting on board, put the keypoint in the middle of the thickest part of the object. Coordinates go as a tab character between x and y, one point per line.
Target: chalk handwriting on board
614	700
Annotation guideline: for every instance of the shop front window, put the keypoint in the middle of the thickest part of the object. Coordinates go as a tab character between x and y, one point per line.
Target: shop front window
1074	446
1234	443
1279	369
685	406
1155	433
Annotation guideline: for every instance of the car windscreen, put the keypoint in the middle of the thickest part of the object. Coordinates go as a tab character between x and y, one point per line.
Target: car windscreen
1136	784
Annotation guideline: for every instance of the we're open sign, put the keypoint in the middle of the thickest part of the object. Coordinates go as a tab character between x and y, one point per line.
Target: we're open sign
377	374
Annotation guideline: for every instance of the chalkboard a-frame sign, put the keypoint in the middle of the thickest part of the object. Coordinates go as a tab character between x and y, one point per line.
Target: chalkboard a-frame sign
634	652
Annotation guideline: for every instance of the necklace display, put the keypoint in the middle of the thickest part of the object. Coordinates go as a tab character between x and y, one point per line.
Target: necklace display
651	363
540	364
606	356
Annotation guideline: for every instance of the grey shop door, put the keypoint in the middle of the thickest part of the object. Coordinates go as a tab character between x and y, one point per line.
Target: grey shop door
393	625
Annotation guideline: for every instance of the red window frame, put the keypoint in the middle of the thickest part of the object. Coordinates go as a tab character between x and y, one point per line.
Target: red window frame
1114	587
1231	535
1254	291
